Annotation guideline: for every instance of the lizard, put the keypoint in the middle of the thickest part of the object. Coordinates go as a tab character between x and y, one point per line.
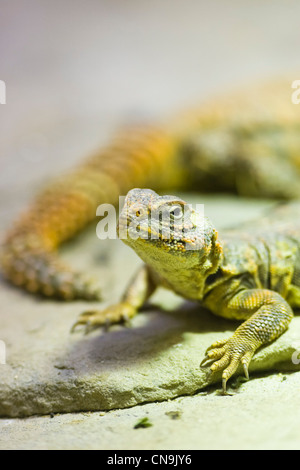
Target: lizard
251	273
246	142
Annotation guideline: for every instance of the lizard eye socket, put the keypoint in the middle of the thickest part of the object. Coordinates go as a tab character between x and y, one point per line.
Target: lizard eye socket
176	212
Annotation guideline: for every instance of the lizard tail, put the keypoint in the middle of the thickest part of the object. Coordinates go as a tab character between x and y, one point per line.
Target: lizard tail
29	259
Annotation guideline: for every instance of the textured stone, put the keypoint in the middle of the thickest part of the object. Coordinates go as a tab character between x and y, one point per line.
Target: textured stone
262	414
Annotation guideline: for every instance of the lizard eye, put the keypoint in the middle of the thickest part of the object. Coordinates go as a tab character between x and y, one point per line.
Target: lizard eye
139	212
176	212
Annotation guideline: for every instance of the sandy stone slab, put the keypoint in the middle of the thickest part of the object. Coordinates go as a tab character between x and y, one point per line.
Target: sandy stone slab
262	414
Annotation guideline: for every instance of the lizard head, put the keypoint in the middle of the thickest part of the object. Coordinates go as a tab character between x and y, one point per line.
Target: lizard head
167	230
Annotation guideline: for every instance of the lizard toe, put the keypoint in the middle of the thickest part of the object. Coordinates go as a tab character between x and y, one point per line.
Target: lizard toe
221	363
217	344
211	356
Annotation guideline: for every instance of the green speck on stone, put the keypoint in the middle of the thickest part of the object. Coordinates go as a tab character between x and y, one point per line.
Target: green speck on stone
143	423
282	377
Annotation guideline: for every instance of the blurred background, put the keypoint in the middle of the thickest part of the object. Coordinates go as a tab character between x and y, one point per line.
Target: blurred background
75	70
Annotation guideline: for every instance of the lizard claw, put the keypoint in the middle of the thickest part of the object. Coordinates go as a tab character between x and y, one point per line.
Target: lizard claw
205	361
227	355
74	326
83	320
246	372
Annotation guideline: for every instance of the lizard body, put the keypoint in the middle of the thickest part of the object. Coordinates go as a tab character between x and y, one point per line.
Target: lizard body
251	273
247	143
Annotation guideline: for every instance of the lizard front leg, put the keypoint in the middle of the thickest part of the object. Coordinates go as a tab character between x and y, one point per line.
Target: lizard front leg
267	316
137	293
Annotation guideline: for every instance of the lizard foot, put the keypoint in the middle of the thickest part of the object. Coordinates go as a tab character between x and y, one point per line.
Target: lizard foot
227	355
118	313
